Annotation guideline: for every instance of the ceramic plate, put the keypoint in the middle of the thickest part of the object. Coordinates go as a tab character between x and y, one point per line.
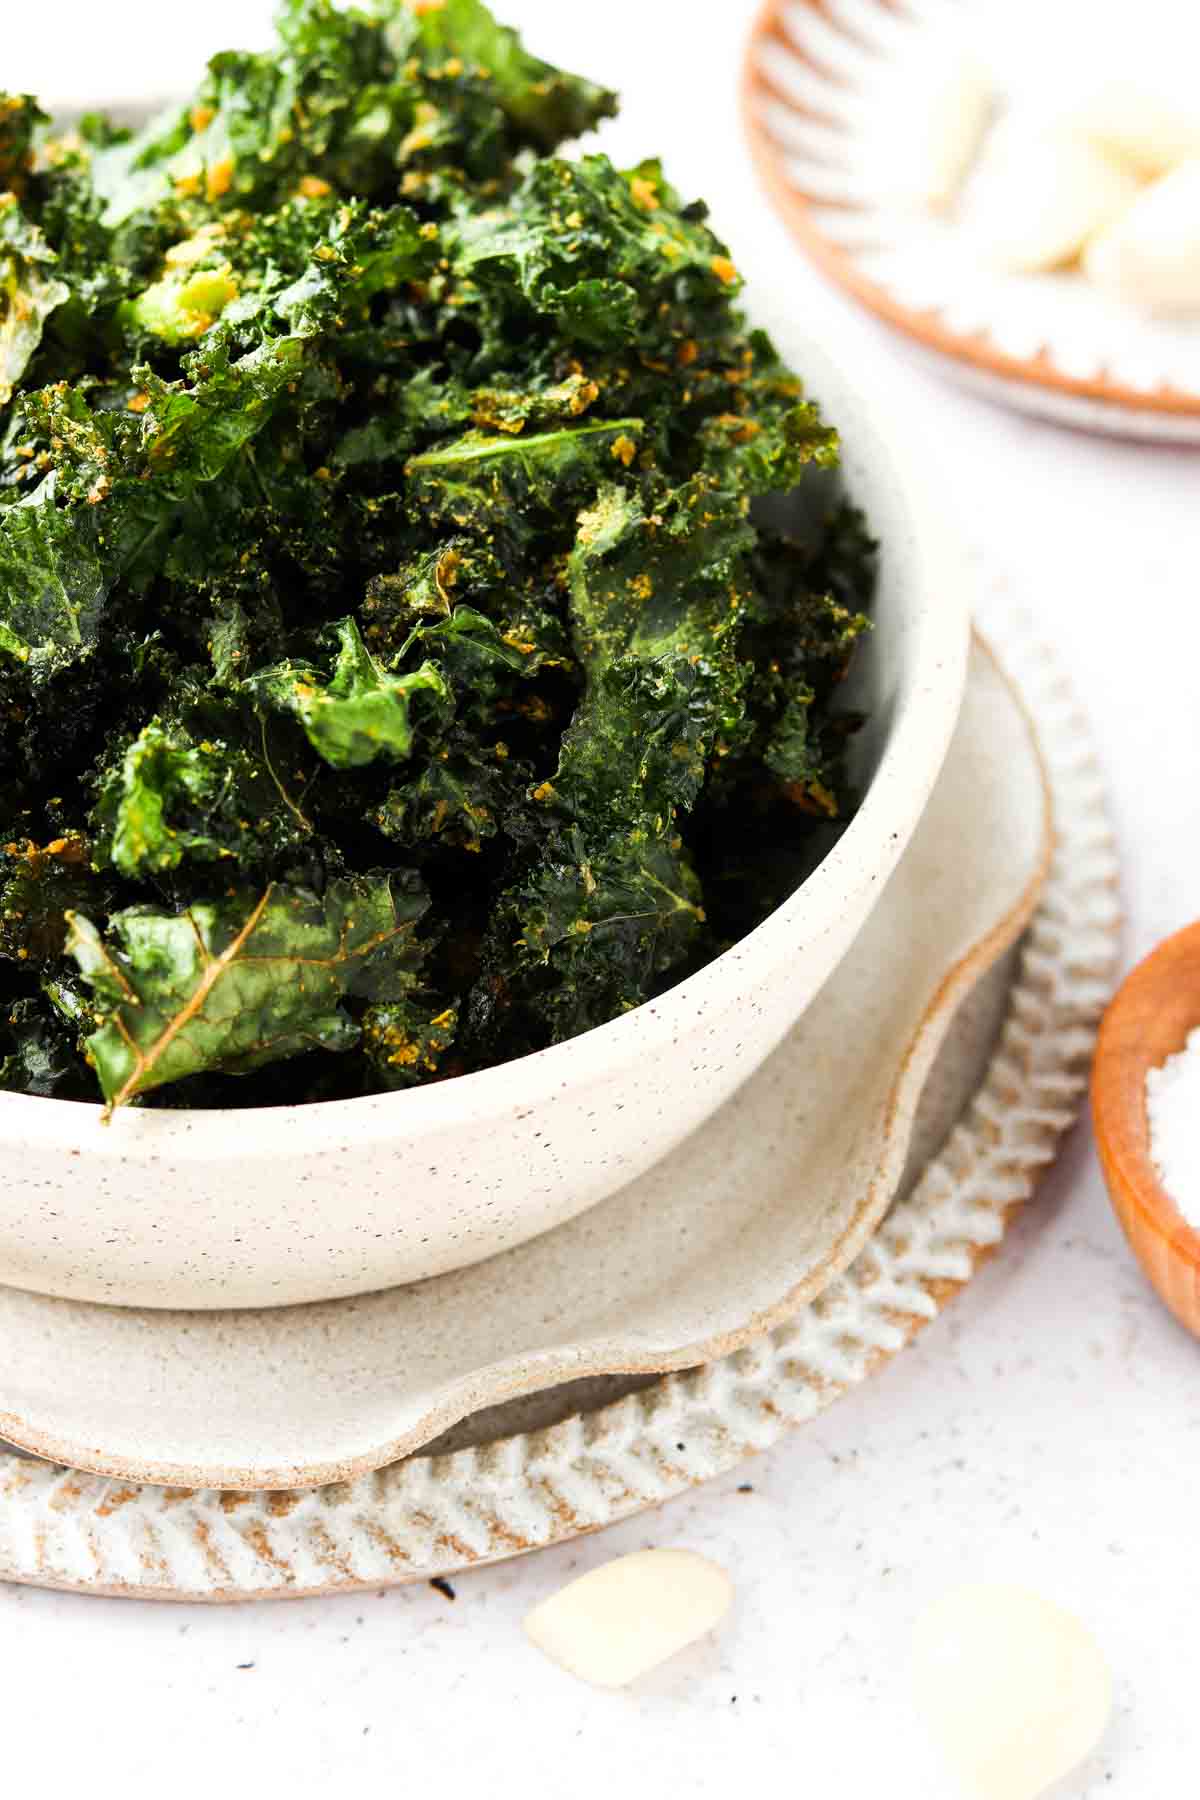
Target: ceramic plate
755	1214
824	80
546	1467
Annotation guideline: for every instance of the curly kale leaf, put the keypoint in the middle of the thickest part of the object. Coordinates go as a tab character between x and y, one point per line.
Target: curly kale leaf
480	653
236	983
122	477
54	578
545	105
803	625
29	292
586	225
172	798
385	499
588	933
40	1052
613	901
362	712
38	888
347	100
403	1043
465	793
21	118
657	582
482	483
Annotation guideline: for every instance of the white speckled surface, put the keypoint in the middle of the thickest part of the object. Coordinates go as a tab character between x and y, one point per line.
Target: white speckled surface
1047	1428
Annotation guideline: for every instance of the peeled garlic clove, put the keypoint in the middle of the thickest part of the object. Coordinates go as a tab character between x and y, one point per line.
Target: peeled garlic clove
1147	132
621	1620
1040	197
1014	1690
928	126
1150	255
949	120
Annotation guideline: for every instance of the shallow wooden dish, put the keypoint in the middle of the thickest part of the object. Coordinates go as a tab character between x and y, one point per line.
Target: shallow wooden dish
818	87
1149	1020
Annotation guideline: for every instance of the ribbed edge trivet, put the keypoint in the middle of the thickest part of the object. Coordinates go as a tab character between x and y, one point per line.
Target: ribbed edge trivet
434	1514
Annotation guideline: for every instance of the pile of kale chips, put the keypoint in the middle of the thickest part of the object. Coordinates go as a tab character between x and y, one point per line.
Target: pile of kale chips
394	678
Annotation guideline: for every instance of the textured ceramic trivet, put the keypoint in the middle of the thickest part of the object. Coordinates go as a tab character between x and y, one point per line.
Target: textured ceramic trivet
576	1459
753	1214
826	89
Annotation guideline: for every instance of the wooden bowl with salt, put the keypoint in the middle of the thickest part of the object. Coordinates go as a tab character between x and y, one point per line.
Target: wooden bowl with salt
1149	1020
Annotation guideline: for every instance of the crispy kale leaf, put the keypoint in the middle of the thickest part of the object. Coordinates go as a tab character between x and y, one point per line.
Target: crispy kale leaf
361	712
38	887
29	292
242	981
172	798
41	1053
424	605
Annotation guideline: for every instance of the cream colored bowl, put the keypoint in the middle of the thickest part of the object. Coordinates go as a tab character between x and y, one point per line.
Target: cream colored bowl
264	1207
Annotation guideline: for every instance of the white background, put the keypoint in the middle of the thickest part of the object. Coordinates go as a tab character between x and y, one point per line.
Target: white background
1046	1429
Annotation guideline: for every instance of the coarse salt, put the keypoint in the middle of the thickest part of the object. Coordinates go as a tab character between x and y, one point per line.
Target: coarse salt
1173	1106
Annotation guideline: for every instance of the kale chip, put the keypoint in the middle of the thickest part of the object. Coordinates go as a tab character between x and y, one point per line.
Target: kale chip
399	669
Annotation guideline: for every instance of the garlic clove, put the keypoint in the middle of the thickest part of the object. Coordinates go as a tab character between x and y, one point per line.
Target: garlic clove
1145	131
622	1619
1014	1690
948	121
1150	255
1040	195
930	121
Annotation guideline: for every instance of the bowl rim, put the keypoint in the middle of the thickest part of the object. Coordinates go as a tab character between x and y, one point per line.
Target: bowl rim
887	442
1120	1115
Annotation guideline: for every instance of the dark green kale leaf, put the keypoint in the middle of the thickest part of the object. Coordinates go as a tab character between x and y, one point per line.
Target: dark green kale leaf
484	484
172	798
586	934
54	578
482	654
465	792
236	983
399	525
349	100
29	291
587	225
545	105
40	1053
361	712
404	1043
38	888
21	118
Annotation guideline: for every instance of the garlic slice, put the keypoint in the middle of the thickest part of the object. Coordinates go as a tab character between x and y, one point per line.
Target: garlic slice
1146	131
1014	1690
1040	195
621	1620
1150	255
948	121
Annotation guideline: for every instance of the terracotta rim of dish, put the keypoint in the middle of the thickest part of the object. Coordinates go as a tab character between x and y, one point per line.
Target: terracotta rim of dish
926	324
1148	1020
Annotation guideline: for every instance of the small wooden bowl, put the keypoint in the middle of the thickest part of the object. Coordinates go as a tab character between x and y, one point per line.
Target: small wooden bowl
1149	1020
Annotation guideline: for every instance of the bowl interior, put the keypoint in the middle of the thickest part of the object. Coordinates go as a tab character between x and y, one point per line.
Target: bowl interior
908	679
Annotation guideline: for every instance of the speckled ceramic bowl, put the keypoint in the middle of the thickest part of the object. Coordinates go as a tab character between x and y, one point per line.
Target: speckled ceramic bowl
271	1206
